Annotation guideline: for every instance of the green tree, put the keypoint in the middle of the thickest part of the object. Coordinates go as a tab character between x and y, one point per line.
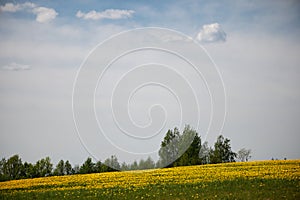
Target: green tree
149	163
134	166
112	163
99	166
28	170
141	164
12	168
60	168
87	167
43	167
68	168
222	151
124	166
189	148
3	175
169	148
146	164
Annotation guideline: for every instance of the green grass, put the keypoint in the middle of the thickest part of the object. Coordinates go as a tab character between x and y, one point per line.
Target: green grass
235	189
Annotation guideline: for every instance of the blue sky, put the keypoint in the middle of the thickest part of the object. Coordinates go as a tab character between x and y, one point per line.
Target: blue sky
255	45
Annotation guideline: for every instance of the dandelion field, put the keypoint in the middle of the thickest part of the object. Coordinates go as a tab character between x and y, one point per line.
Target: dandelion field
247	180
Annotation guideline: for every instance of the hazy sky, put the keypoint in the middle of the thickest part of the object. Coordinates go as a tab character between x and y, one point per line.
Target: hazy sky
254	44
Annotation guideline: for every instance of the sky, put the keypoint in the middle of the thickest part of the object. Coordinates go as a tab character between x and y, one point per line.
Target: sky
248	53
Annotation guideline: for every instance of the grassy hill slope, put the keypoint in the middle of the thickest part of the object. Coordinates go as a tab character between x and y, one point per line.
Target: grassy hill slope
248	180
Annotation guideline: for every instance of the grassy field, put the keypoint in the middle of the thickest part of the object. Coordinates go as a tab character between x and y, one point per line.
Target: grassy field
249	180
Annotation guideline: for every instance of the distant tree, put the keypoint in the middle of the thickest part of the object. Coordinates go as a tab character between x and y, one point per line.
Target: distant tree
222	151
43	167
141	164
204	153
149	163
146	164
112	163
244	154
68	168
169	148
134	166
60	168
12	168
124	166
87	167
63	168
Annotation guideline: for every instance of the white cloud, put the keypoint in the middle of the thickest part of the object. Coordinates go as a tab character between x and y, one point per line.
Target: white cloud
211	33
10	7
106	14
43	14
16	67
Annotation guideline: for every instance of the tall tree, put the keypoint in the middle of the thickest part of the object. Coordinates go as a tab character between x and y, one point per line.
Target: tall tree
43	167
125	167
204	153
142	164
112	163
189	148
222	151
244	154
28	170
169	148
149	163
146	164
60	168
12	168
87	167
3	176
134	166
68	168
98	166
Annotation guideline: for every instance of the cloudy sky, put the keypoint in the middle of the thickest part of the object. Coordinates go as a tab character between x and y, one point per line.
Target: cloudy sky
255	46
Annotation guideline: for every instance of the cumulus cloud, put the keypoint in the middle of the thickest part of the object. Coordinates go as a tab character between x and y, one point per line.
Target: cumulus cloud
10	7
16	67
43	14
106	14
211	33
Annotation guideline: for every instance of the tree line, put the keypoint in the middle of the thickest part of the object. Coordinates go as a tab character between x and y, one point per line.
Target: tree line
176	149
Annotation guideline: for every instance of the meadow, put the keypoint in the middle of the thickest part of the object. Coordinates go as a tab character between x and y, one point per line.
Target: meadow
240	180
